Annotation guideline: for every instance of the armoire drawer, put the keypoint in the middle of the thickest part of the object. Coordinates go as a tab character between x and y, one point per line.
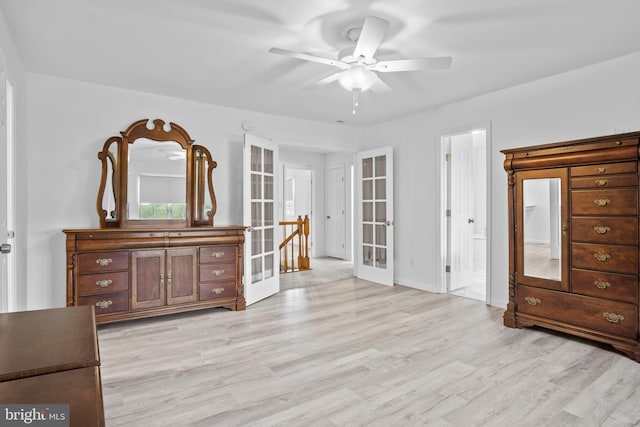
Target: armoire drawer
628	180
217	290
103	283
613	230
107	303
618	259
217	272
216	254
619	287
619	201
605	169
607	316
96	262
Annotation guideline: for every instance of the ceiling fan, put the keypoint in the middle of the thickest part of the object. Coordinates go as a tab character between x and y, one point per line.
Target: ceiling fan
358	64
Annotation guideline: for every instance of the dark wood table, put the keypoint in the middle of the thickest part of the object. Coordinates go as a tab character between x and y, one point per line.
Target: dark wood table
51	357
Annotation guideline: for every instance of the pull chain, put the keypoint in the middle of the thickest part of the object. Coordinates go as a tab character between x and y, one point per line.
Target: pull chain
355	100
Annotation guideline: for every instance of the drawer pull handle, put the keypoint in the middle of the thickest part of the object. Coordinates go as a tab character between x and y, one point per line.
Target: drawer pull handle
601	202
601	284
104	261
218	254
601	229
613	318
602	257
601	182
217	291
218	273
104	283
104	304
532	300
601	170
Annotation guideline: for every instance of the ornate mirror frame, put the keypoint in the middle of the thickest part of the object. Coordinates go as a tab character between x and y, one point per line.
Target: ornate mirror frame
115	171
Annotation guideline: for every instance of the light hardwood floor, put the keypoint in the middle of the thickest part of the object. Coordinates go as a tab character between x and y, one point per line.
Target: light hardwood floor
353	353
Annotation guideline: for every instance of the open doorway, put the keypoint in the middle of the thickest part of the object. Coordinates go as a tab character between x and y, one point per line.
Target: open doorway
466	210
298	194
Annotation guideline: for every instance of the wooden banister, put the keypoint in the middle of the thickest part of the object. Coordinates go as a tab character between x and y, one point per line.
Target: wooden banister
299	228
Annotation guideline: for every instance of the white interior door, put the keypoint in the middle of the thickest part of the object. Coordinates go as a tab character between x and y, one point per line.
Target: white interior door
375	215
336	207
261	264
8	291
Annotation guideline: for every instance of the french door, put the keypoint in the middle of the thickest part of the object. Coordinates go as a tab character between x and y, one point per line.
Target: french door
261	257
374	189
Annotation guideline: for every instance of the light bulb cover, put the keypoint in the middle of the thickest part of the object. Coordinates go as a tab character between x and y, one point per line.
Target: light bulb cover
357	79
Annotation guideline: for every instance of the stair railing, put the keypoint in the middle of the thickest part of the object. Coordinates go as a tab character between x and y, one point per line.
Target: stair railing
300	229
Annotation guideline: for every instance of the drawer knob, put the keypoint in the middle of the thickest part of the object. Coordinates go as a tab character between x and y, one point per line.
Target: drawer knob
218	273
104	304
104	283
532	300
601	229
600	284
601	170
104	261
602	257
613	318
217	291
218	254
601	202
601	182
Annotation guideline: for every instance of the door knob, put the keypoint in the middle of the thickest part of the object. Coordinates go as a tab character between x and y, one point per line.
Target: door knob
328	216
5	248
471	220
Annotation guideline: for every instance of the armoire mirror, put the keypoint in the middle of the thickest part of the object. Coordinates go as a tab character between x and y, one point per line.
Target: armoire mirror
541	228
154	176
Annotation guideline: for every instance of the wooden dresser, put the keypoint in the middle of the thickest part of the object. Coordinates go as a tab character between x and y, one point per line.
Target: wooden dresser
128	274
573	239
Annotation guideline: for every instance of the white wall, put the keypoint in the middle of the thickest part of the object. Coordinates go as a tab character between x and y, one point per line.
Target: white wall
68	124
592	101
11	63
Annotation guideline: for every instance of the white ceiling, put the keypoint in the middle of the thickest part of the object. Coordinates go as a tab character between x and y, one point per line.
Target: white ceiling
216	51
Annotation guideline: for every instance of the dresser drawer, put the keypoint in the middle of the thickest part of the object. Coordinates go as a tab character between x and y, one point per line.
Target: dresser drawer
217	272
103	283
628	180
215	254
622	231
620	287
607	316
96	262
617	259
107	303
605	169
620	201
209	291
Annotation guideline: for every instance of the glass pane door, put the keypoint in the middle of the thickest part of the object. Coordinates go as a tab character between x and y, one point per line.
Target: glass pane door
261	265
375	215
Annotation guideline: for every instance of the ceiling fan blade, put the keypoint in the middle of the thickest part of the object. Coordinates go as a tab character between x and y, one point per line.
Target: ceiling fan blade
380	86
307	57
330	79
372	33
438	63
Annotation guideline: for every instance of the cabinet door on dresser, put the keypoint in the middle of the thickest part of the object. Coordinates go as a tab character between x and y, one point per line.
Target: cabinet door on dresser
182	275
147	278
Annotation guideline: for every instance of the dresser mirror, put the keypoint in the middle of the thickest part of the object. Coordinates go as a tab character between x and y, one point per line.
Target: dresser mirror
154	176
542	233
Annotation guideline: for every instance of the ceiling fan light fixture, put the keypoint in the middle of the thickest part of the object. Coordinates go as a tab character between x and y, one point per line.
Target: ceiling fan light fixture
357	79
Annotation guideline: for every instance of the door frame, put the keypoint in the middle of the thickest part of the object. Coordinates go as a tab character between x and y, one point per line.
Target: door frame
442	164
312	202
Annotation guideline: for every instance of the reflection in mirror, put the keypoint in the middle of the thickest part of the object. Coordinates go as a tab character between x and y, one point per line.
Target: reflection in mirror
157	180
110	191
203	197
542	234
